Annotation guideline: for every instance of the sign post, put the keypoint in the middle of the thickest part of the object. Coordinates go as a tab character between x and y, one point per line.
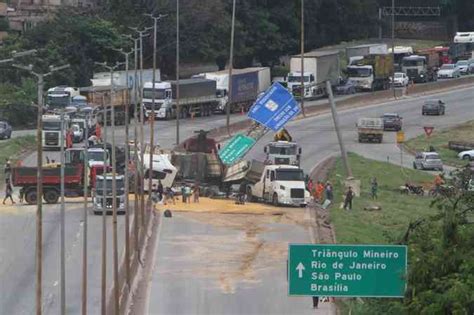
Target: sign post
428	130
347	270
235	148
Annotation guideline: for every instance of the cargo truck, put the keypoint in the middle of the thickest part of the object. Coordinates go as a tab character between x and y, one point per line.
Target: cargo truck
421	68
60	97
370	129
197	96
282	152
247	84
319	67
355	53
400	52
51	132
99	96
371	72
102	198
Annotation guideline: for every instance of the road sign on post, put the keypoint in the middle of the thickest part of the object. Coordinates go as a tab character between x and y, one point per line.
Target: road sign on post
400	137
347	270
235	148
274	108
428	130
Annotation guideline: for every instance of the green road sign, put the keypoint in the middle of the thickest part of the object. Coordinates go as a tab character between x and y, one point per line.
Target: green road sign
347	270
235	148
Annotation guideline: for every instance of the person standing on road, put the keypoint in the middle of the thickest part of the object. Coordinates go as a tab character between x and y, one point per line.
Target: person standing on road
183	193
328	194
8	191
160	190
196	192
310	186
187	191
374	188
319	192
315	301
348	199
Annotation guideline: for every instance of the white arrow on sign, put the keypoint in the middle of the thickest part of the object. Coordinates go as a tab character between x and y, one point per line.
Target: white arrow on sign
300	269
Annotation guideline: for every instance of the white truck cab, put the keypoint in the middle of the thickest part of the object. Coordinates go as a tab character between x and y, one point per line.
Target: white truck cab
102	197
163	100
162	171
363	76
51	132
294	82
97	156
282	152
280	185
61	96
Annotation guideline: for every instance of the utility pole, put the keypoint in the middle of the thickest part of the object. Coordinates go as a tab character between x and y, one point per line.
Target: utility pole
302	59
39	177
393	48
126	173
114	187
84	239
142	140
338	131
62	229
178	107
231	66
152	118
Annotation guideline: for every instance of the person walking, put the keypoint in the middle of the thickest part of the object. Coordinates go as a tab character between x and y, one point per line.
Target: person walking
328	194
348	199
315	301
160	190
169	193
320	191
196	191
8	192
188	192
374	188
183	193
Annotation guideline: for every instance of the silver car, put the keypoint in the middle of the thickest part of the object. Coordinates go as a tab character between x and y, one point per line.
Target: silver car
427	161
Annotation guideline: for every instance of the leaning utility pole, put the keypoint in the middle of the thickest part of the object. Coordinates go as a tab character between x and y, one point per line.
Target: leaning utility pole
338	132
231	66
39	176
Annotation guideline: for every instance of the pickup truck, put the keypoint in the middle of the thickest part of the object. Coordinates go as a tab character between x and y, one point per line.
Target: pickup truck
280	185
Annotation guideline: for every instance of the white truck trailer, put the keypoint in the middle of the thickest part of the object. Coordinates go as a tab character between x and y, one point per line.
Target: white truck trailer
319	66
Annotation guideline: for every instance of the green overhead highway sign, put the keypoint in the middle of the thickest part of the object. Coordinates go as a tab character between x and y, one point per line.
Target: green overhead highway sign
235	148
347	270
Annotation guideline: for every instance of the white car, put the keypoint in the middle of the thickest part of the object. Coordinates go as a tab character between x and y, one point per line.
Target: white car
448	70
400	79
467	155
464	37
463	66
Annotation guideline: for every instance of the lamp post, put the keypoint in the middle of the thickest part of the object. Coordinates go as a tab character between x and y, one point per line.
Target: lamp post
152	117
231	65
39	190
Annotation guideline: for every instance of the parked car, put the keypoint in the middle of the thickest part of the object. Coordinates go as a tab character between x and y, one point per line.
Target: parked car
427	161
392	121
433	107
448	70
400	79
5	130
346	87
471	66
467	155
463	66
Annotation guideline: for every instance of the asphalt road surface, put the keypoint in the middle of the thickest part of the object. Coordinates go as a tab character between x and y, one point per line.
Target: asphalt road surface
180	289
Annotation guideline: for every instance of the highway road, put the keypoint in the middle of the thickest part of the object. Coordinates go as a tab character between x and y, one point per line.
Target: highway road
188	241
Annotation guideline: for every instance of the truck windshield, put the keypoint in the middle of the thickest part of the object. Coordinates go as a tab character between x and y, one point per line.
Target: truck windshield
412	63
297	78
96	156
289	150
100	186
289	174
58	101
160	94
353	72
52	125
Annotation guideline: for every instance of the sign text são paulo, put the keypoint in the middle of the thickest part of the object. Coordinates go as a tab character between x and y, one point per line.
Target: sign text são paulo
347	270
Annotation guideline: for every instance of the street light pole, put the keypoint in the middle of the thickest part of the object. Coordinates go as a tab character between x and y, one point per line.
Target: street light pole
39	177
393	47
63	241
84	240
178	107
302	91
152	118
231	66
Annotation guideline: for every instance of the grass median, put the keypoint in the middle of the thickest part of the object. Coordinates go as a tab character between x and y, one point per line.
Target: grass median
439	140
14	149
397	210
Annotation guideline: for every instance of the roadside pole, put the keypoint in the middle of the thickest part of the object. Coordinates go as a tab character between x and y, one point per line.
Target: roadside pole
178	107
84	240
39	176
62	228
302	59
231	66
393	49
338	132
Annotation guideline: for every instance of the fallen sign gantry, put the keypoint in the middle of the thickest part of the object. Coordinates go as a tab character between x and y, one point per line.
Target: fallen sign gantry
347	270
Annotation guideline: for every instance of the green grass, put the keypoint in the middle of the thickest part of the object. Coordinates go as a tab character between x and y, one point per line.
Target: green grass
381	226
439	140
14	149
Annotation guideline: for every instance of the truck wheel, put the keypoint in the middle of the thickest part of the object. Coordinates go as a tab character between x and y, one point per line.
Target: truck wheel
51	196
361	139
249	194
30	197
275	200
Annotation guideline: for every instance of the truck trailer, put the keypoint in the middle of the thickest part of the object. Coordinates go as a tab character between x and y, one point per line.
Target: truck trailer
319	66
421	68
197	96
355	53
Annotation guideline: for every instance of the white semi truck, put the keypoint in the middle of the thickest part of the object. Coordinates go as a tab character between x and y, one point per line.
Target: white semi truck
60	97
282	153
319	67
51	132
102	197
